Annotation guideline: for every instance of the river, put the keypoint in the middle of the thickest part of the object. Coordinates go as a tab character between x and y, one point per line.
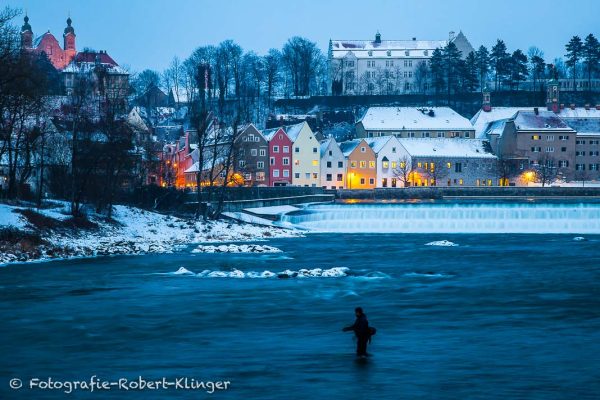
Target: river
498	316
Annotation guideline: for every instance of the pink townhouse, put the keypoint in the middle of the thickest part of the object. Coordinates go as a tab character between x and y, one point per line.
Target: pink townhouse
280	157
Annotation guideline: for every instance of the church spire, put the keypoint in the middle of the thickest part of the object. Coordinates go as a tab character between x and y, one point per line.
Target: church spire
26	34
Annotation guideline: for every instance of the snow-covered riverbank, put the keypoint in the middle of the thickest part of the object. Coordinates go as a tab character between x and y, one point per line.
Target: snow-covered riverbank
132	231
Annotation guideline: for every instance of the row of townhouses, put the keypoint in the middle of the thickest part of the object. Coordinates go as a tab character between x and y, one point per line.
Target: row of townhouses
419	146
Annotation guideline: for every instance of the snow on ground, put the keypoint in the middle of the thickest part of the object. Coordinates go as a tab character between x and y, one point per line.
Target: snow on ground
442	243
132	231
8	218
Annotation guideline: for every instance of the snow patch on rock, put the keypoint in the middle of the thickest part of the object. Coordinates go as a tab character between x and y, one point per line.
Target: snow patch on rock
234	248
442	243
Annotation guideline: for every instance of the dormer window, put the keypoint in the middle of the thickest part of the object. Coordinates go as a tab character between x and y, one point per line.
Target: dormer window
407	53
370	53
426	53
389	53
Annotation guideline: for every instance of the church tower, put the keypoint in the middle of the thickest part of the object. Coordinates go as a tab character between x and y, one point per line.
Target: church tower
69	42
487	101
552	96
26	34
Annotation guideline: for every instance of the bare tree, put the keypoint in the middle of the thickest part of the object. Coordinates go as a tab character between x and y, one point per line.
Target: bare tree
405	172
546	170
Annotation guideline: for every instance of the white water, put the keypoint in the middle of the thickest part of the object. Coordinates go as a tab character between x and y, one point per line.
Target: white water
449	218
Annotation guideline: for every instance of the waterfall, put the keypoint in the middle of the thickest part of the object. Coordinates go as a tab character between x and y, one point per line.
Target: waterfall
449	218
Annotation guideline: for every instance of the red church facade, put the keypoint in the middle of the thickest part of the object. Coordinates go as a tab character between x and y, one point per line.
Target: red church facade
280	157
59	56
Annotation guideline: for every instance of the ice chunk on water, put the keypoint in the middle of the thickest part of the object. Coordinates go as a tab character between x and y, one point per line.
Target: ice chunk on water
443	243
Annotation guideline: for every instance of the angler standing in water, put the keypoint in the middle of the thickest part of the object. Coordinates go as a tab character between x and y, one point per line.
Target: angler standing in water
362	331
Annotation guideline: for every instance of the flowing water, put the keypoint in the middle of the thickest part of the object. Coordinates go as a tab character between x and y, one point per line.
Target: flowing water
498	316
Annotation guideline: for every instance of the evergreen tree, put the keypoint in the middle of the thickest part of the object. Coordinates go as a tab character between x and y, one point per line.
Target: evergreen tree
518	68
482	59
574	53
469	73
436	65
499	60
538	66
452	61
591	56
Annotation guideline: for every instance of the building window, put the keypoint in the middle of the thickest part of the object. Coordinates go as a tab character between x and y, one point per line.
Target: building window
563	137
272	161
394	164
275	149
315	163
426	53
362	181
275	173
353	164
579	167
260	165
385	164
370	54
363	164
262	152
549	149
315	175
297	149
580	153
328	164
242	163
286	161
389	63
550	138
536	137
297	175
329	178
248	177
536	149
286	149
253	152
371	164
467	135
340	178
330	152
315	150
286	173
340	164
563	149
458	168
389	53
296	162
371	181
563	164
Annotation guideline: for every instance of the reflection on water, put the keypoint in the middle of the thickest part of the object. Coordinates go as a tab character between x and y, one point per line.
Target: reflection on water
498	316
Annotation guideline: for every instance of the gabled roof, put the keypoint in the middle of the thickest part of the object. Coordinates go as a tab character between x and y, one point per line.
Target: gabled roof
414	118
294	130
481	120
542	119
447	147
269	134
91	56
378	143
325	145
349	146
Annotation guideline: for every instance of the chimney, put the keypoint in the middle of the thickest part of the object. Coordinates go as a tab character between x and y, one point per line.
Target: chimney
414	39
572	106
378	38
487	103
536	110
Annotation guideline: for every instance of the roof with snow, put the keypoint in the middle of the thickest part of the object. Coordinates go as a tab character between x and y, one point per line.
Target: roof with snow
413	118
482	119
294	130
270	133
92	56
579	112
447	147
349	146
543	119
325	145
361	48
378	143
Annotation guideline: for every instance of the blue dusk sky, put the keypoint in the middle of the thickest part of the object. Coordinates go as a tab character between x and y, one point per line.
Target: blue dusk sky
148	33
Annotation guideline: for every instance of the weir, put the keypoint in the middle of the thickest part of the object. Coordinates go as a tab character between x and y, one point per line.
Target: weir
575	218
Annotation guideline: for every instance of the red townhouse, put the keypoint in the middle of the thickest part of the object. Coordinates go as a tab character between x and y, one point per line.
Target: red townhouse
280	157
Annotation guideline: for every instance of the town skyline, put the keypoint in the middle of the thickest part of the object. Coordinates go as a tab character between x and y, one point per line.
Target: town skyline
180	35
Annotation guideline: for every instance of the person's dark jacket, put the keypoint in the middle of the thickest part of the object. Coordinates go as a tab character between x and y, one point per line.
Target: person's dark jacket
360	327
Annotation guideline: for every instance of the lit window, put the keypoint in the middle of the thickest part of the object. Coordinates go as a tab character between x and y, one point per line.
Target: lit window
363	164
394	164
296	162
353	164
449	165
386	164
315	163
371	164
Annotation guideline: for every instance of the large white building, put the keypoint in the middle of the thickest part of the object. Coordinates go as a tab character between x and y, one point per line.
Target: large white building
384	66
414	122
